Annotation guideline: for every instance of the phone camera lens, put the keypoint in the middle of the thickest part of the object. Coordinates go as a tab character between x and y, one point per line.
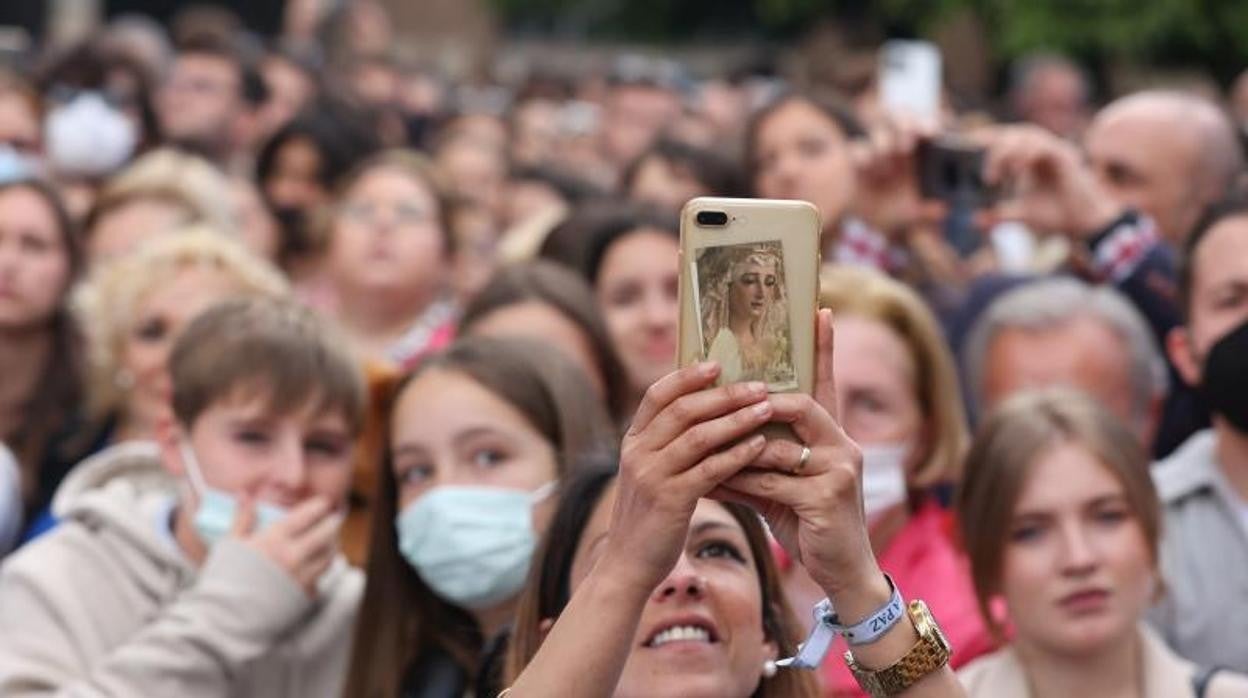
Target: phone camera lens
712	218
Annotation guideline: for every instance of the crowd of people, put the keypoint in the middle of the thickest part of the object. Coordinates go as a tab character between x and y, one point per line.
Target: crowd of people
322	374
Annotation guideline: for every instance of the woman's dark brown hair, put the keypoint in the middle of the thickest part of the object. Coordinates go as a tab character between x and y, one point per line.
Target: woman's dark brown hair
548	589
719	175
551	284
836	110
59	390
401	620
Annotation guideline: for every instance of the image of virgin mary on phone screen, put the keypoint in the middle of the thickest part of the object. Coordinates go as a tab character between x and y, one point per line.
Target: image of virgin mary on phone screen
744	313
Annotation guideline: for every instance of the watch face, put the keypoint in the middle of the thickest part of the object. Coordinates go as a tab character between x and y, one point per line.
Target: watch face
929	654
926	624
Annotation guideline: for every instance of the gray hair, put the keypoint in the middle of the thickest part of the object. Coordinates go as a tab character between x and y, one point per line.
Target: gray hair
1056	302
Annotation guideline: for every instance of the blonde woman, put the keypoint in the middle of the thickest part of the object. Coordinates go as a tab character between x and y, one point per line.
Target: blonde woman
1061	521
744	316
898	399
132	309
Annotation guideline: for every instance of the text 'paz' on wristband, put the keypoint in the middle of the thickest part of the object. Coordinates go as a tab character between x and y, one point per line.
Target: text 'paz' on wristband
812	652
875	625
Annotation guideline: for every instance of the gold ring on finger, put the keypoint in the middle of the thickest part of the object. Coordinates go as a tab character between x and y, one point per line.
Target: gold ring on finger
803	460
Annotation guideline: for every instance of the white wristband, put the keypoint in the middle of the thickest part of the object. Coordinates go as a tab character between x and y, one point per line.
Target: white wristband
811	653
876	624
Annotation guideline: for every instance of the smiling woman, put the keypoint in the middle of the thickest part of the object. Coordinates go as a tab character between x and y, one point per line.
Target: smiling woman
478	438
710	628
666	585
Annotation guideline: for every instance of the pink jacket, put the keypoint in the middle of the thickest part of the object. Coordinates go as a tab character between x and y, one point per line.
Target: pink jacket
925	564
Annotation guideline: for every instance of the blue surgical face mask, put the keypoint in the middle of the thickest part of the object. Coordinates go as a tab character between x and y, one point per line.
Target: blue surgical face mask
471	545
15	165
215	516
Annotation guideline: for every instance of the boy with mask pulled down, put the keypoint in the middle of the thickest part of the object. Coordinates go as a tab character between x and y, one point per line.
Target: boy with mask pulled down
205	564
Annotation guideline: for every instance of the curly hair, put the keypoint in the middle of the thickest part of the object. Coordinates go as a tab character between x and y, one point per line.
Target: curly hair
107	302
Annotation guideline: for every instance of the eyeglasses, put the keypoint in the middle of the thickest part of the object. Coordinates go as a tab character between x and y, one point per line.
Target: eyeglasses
369	213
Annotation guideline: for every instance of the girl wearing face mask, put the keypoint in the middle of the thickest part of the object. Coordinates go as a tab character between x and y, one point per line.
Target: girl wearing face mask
296	169
899	400
480	437
1061	521
387	260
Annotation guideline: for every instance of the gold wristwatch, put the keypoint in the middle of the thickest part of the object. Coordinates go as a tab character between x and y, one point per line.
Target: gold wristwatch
929	654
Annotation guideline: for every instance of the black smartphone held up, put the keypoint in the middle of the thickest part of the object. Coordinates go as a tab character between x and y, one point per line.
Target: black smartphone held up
951	170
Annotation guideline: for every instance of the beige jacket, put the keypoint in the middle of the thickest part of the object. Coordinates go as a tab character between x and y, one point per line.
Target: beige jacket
1166	675
106	605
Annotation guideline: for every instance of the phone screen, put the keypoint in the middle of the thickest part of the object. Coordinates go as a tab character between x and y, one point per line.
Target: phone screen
910	78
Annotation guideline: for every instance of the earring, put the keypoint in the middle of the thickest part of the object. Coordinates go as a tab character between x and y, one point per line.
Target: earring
769	669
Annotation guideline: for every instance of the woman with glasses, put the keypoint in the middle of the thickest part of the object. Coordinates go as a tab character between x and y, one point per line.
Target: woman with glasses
387	255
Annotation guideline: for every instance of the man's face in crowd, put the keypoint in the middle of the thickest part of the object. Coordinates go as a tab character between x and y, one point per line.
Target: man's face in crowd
1219	296
199	102
1148	161
1082	354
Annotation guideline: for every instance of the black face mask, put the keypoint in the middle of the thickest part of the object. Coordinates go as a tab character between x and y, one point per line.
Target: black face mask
1225	382
292	221
417	128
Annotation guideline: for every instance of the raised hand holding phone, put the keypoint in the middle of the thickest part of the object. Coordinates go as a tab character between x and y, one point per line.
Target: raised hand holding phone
749	278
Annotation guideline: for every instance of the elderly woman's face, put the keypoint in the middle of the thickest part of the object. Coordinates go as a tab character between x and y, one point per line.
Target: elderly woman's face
157	321
753	286
701	632
876	383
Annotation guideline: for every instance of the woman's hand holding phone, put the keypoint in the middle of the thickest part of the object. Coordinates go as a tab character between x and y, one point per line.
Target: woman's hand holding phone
685	439
814	510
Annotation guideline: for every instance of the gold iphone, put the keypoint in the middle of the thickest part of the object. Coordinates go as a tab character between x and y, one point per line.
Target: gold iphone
749	287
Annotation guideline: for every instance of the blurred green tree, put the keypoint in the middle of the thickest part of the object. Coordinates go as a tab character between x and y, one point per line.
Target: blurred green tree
1209	33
